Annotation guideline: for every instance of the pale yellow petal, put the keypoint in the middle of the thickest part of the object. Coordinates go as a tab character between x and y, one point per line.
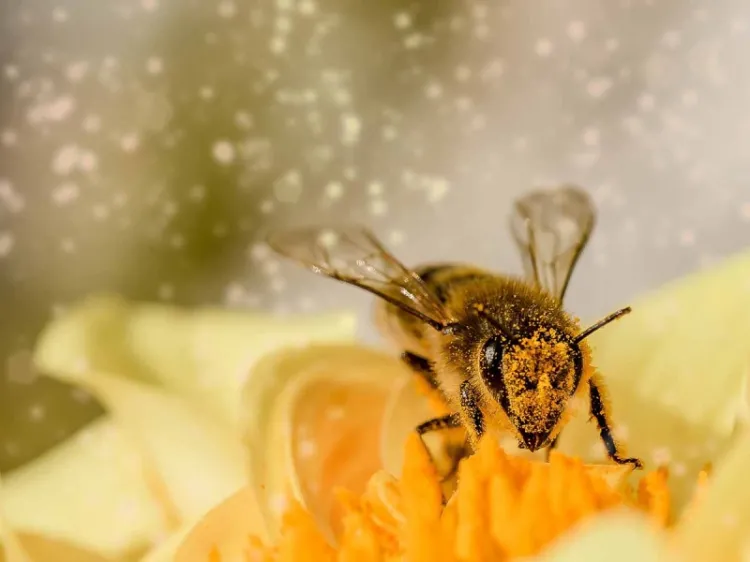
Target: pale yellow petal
89	491
614	537
191	461
718	527
10	546
675	371
204	354
225	529
312	422
406	409
684	349
166	550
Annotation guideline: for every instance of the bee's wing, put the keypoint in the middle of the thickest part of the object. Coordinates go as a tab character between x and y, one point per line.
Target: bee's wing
551	229
353	255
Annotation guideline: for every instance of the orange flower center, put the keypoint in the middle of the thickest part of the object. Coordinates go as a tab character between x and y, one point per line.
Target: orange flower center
504	507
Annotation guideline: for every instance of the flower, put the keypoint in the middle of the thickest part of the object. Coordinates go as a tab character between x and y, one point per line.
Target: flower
676	370
215	417
132	483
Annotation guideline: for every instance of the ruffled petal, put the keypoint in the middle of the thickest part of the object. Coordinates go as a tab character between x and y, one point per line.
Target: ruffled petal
89	491
675	371
718	526
225	530
615	537
171	381
202	354
312	420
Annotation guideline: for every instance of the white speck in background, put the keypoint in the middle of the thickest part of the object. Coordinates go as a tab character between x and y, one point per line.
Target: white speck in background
493	70
154	65
334	190
591	137
227	9
672	39
7	241
65	193
37	412
437	188
307	7
60	14
576	31
150	5
243	120
68	245
402	20
75	71
378	207
375	188
599	86
544	47
745	211
689	98
129	142
646	102
351	127
687	238
462	73
166	291
65	159
10	198
433	90
277	45
54	110
8	137
223	152
288	188
396	237
92	123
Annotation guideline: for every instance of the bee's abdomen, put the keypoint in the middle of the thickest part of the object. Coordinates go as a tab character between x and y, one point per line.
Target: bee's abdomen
444	279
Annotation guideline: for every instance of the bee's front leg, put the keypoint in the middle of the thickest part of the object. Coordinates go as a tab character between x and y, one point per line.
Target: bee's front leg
421	367
599	413
470	407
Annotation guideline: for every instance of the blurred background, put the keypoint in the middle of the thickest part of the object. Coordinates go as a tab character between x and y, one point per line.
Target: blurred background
147	145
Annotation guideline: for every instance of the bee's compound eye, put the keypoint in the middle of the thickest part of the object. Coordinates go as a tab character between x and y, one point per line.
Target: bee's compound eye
492	356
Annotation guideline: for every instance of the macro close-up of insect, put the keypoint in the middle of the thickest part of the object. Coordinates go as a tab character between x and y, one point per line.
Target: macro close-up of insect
502	352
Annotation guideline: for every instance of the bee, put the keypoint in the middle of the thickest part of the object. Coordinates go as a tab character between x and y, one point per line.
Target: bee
501	350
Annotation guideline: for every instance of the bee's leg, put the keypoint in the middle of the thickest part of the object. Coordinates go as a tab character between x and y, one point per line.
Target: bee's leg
450	421
421	367
550	448
443	422
470	407
598	411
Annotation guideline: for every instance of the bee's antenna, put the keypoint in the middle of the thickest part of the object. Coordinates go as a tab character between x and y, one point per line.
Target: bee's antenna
502	329
603	322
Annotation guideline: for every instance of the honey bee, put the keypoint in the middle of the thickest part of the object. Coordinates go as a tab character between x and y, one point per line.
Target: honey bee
502	351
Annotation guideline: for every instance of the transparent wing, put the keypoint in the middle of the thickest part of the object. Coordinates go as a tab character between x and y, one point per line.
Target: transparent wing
353	255
551	229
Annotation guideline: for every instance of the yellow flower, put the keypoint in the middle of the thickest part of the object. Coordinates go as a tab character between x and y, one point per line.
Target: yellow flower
131	484
676	371
215	417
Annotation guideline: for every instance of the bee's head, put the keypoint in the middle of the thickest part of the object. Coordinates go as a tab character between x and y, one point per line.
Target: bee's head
532	378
